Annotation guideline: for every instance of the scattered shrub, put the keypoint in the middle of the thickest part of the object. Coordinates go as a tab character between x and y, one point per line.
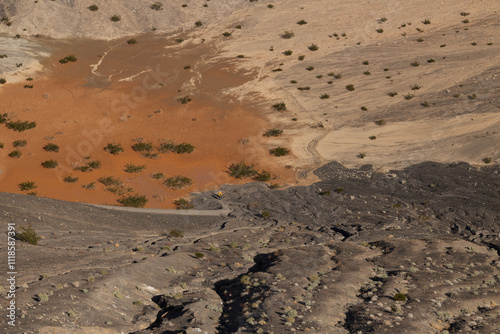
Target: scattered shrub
415	64
21	125
27	234
50	164
279	151
15	154
183	204
199	255
113	148
288	52
401	297
381	122
379	31
142	146
372	137
2	81
131	168
157	6
89	186
350	87
426	21
226	34
179	40
301	22
93	8
392	94
464	13
425	104
115	18
20	143
176	233
367	73
132	41
158	176
366	62
361	155
262	176
287	34
364	108
184	100
136	201
28	185
70	179
3	118
313	47
310	68
177	182
465	21
415	87
280	106
70	58
273	132
324	96
301	58
487	160
409	96
241	169
304	88
198	23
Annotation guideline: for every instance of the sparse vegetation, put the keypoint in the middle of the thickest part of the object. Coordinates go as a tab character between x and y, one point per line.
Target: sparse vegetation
93	8
184	100
392	94
51	147
176	234
280	106
301	58
262	176
415	64
313	47
142	146
50	164
372	137
15	154
301	22
156	6
304	88
132	41
310	68
401	297
366	62
27	234
20	126
183	204
241	169
288	52
226	34
287	34
19	143
136	201
28	185
350	87
273	132
279	151
131	168
70	58
324	96
409	96
177	182
381	122
115	18
198	23
487	160
2	81
113	148
70	179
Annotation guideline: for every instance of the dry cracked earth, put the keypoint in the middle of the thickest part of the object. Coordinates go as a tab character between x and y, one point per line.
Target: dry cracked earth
407	251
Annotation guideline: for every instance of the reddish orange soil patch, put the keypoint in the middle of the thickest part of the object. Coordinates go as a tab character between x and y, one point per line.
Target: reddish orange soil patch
83	106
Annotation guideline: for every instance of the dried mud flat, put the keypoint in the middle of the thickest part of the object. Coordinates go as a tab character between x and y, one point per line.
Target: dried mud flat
409	251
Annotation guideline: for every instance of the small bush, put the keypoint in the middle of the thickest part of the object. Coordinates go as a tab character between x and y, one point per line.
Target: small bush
131	168
109	181
70	58
158	176
50	164
156	6
28	235
415	64
115	18
279	151
28	86
324	96
265	214
2	81
409	96
288	52
142	146
113	148
464	13
19	143
487	160
28	185
20	126
89	186
179	40
183	204
199	255
361	155
366	62
293	81
313	47
379	31
50	147
381	122
425	104
176	234
364	108
184	100
280	106
95	164
401	297
372	137
3	118
241	169
415	87
93	8
426	21
287	34
226	34
132	41
392	94
304	88
70	179
15	154
301	58
198	23
350	87
301	22
272	132
310	68
183	148
262	176
177	182
136	201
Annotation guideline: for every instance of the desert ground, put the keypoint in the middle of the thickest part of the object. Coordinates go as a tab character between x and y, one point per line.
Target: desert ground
365	135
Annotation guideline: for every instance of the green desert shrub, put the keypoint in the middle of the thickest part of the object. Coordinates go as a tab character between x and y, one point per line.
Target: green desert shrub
262	176
310	68
2	81
15	154
20	126
280	106
132	41
19	143
176	233
324	96
113	148
142	146
226	34
350	87
70	58
131	168
198	23
279	151
28	185
287	34
136	201
273	132
158	176
381	122
313	47
156	6
177	182
93	8
28	234
115	18
51	147
392	94
287	52
70	179
301	22
3	118
400	297
183	148
241	169
50	164
184	100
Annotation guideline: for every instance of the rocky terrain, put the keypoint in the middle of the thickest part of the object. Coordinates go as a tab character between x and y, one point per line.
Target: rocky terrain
407	251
